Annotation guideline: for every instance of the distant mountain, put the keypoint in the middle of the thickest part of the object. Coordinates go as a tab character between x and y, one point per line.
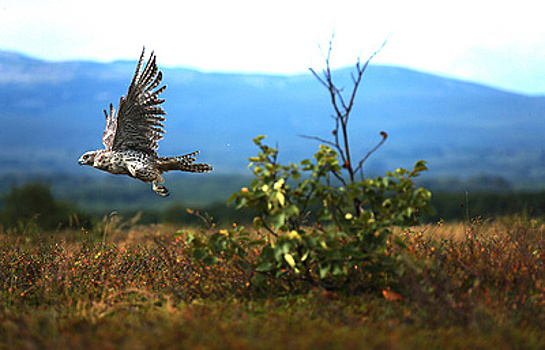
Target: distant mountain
51	112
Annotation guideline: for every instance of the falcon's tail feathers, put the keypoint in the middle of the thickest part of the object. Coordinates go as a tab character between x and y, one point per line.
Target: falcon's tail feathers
183	163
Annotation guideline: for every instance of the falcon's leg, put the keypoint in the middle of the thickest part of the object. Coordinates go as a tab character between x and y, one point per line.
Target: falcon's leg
149	174
159	189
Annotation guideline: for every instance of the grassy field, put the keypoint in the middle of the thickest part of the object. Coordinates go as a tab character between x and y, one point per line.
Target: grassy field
477	285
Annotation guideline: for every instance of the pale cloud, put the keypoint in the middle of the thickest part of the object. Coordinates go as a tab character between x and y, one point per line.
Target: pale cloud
498	43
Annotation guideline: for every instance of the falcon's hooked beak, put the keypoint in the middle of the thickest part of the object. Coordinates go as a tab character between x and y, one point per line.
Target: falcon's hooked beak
87	159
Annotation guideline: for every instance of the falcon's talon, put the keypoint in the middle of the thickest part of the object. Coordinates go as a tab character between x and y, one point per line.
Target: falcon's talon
160	189
131	138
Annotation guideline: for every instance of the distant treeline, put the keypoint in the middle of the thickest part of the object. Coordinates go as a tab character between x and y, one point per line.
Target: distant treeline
34	202
448	206
466	205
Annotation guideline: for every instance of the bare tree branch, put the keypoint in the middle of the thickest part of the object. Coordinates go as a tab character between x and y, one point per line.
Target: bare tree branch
342	115
327	142
381	142
360	70
340	178
317	76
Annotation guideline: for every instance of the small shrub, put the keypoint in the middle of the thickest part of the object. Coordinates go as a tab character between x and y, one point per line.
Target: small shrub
309	229
316	222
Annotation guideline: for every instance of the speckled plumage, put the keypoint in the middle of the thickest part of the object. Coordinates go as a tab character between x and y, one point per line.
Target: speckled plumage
131	138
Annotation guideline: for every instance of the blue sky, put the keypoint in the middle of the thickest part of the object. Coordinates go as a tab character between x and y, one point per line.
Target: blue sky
498	43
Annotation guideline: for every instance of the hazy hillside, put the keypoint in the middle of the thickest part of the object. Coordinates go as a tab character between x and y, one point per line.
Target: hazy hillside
52	112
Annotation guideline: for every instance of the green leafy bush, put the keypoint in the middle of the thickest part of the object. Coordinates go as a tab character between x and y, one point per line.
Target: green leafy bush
316	222
317	232
309	228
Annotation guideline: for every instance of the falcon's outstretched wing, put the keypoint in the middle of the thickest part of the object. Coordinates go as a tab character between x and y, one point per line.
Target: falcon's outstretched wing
138	125
109	134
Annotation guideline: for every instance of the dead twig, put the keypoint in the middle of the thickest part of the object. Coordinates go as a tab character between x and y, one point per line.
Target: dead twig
342	110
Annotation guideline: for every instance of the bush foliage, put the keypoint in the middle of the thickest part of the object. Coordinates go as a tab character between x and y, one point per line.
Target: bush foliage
310	228
323	226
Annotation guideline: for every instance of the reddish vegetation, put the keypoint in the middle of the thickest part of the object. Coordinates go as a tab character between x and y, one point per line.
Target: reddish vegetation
487	279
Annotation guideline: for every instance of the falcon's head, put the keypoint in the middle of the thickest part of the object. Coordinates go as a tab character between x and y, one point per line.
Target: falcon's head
87	158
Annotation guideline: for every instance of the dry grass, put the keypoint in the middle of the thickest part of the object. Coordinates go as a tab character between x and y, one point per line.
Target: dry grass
473	285
513	226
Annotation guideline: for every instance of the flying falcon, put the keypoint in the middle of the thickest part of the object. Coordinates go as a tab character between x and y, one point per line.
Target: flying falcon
131	138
